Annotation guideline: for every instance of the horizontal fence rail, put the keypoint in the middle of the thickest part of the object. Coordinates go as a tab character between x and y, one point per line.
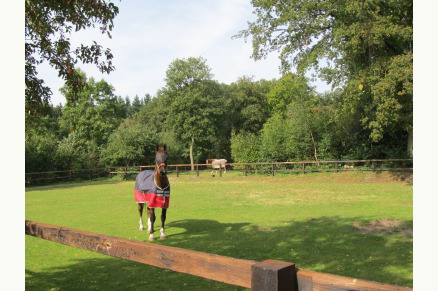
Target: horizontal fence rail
266	275
375	165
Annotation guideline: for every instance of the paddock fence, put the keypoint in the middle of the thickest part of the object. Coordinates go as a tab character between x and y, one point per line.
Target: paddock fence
267	168
271	168
266	275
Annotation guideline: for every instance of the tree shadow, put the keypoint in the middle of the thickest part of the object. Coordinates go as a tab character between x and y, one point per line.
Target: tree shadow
327	244
70	185
403	176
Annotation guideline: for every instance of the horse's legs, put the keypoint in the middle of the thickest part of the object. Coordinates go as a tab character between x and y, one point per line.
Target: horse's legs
163	220
151	220
140	210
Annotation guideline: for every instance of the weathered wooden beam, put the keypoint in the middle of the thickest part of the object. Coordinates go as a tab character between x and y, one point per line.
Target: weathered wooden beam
266	275
209	266
309	280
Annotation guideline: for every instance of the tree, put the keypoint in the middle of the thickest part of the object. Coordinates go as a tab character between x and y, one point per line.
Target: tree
297	124
93	115
288	89
247	104
363	46
187	73
192	100
132	143
245	147
48	25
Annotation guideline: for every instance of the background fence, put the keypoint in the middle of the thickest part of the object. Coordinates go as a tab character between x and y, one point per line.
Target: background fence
272	168
266	275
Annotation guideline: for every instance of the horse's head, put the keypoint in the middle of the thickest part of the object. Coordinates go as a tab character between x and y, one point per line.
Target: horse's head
161	159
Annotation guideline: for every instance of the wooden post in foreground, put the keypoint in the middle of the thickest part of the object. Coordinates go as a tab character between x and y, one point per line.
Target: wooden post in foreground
272	275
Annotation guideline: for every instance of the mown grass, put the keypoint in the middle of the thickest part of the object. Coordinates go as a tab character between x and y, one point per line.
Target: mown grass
313	220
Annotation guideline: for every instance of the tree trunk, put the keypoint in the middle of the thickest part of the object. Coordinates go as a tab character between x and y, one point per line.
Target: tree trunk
411	143
191	153
314	148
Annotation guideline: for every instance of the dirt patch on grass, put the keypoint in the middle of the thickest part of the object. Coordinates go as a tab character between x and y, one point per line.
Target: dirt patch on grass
384	226
261	228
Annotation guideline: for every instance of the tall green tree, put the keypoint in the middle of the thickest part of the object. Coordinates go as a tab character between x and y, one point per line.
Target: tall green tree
290	88
93	115
130	144
364	47
292	125
193	102
48	26
247	104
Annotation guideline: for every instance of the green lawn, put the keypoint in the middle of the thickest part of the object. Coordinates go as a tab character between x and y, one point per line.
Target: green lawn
352	224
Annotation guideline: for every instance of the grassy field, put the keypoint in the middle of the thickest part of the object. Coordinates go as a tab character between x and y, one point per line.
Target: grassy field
352	224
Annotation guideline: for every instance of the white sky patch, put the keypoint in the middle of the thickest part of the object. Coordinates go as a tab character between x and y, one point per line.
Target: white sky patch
149	35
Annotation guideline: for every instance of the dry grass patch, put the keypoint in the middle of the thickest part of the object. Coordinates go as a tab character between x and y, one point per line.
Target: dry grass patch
384	226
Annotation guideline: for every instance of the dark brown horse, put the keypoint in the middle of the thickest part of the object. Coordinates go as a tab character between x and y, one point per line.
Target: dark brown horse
153	188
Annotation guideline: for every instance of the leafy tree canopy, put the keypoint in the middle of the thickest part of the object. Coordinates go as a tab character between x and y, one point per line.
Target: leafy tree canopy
189	72
48	25
362	46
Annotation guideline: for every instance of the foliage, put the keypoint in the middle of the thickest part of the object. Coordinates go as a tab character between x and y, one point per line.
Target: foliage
96	112
40	150
48	25
247	104
187	73
129	145
289	88
245	147
193	104
246	121
364	47
71	153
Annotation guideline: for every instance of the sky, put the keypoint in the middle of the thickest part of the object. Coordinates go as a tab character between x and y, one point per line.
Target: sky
149	35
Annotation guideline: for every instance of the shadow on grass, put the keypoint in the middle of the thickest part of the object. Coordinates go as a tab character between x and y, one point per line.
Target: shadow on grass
69	185
404	176
328	244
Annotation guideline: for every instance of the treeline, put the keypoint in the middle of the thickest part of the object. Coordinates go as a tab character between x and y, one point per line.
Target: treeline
199	118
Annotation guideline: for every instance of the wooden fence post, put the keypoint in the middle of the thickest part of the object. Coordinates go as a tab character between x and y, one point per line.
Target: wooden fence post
197	170
304	168
244	170
272	275
273	169
374	166
177	174
336	167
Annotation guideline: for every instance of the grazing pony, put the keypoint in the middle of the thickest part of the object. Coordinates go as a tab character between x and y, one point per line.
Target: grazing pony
153	188
216	164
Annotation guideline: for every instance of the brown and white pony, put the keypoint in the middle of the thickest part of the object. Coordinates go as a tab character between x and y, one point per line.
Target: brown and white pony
217	164
154	189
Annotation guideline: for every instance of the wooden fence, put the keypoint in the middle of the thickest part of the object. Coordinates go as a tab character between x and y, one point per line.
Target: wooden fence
375	165
271	168
266	275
